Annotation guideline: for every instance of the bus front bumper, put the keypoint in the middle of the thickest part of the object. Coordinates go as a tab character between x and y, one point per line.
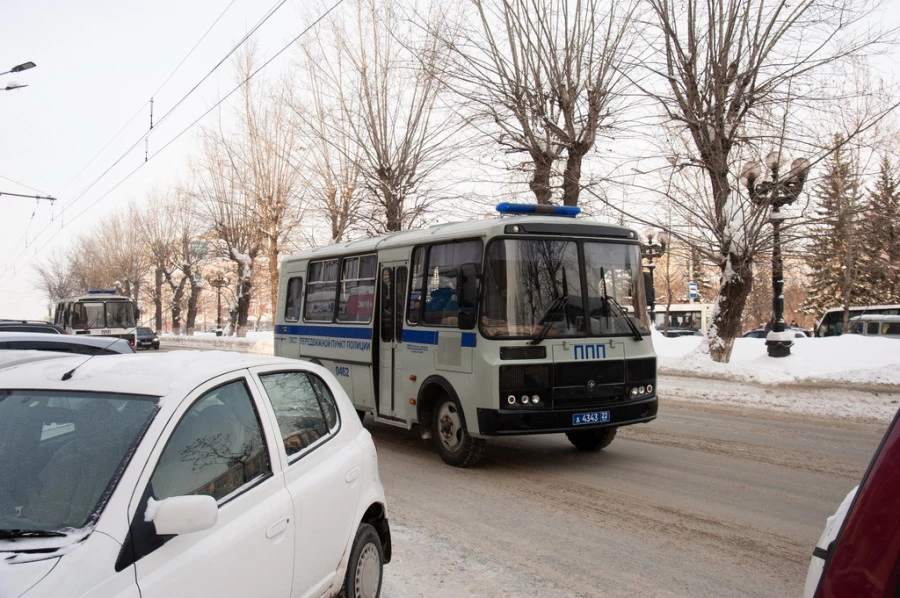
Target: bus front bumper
496	422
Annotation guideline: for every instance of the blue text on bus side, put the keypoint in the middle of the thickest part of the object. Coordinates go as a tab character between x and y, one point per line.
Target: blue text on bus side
597	351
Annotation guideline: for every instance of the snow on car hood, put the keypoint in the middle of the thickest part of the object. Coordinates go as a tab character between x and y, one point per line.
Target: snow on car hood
26	561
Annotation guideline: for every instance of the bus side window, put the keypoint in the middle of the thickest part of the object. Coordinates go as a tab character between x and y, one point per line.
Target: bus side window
321	288
292	299
357	296
417	280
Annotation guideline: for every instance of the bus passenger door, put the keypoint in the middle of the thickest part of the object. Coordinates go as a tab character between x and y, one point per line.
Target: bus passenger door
390	329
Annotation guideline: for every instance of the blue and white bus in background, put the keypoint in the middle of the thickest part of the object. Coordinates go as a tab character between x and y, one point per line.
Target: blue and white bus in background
512	325
98	313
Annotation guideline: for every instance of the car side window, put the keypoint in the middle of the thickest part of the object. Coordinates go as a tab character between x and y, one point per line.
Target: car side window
304	407
216	449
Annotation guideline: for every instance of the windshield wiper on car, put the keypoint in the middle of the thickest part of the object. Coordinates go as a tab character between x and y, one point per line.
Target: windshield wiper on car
6	534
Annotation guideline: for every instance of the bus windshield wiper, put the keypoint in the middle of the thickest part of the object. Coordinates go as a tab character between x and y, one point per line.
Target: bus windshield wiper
621	313
560	303
6	534
624	314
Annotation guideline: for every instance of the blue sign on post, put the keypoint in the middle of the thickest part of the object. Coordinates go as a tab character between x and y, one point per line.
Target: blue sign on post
693	291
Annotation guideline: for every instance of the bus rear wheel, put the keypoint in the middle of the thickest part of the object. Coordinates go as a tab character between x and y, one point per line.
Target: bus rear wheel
453	442
592	440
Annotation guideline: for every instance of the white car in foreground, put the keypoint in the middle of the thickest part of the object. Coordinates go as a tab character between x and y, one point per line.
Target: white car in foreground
186	474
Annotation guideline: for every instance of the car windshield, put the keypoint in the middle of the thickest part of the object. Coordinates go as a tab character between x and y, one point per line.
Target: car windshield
538	288
147	331
61	454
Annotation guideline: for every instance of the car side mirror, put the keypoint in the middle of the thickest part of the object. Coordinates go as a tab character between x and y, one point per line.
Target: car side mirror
183	514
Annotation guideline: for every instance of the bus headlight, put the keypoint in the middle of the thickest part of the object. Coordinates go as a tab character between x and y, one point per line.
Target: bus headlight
641	391
535	399
511	400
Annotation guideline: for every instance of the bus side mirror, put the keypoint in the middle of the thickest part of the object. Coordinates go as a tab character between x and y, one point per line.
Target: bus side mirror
467	295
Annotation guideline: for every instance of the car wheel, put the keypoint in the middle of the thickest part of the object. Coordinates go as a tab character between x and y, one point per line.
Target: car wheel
156	347
363	577
453	442
592	440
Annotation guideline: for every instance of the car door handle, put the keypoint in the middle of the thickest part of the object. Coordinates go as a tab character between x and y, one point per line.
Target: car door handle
352	475
278	528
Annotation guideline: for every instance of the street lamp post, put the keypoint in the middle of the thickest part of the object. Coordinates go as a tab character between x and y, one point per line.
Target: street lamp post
775	193
17	69
217	283
654	248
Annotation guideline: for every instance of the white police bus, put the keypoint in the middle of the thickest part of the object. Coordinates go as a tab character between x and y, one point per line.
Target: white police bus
98	313
514	325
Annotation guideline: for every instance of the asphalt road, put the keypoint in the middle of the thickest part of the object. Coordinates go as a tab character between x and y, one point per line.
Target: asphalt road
704	501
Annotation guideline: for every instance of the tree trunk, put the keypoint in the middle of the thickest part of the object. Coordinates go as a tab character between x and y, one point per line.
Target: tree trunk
157	299
540	181
572	176
735	286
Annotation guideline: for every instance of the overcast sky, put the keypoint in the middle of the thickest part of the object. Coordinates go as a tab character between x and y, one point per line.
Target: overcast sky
67	134
87	102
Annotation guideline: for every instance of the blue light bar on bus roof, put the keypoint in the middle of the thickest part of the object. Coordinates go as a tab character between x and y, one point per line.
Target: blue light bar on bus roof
101	292
525	208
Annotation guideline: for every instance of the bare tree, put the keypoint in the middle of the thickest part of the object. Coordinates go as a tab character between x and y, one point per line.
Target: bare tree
728	66
221	200
395	116
111	257
56	278
263	156
156	221
334	157
170	231
545	78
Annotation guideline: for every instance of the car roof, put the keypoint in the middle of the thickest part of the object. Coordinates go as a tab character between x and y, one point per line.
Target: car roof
876	318
116	345
157	374
26	325
14	357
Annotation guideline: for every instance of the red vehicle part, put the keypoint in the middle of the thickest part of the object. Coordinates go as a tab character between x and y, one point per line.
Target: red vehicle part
864	558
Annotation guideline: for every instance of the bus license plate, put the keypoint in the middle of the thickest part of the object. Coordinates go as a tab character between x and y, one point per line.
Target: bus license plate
597	417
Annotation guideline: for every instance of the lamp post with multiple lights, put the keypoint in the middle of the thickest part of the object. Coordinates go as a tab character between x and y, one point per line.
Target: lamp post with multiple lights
17	69
217	283
654	248
775	193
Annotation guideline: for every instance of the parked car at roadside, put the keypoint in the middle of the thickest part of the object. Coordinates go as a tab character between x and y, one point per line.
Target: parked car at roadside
30	326
145	338
762	332
858	553
187	473
67	343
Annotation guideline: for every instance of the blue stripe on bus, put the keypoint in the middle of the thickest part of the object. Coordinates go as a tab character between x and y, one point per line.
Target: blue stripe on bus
422	337
430	337
329	331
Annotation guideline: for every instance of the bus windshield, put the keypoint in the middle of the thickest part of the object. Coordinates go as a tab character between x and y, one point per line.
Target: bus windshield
533	288
92	315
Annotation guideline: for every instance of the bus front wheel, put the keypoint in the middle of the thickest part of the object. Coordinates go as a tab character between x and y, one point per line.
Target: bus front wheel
592	440
454	443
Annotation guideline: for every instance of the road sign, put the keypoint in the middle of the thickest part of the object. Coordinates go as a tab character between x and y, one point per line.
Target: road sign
693	291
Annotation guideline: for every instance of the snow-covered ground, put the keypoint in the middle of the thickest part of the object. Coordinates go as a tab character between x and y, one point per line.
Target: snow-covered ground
844	376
